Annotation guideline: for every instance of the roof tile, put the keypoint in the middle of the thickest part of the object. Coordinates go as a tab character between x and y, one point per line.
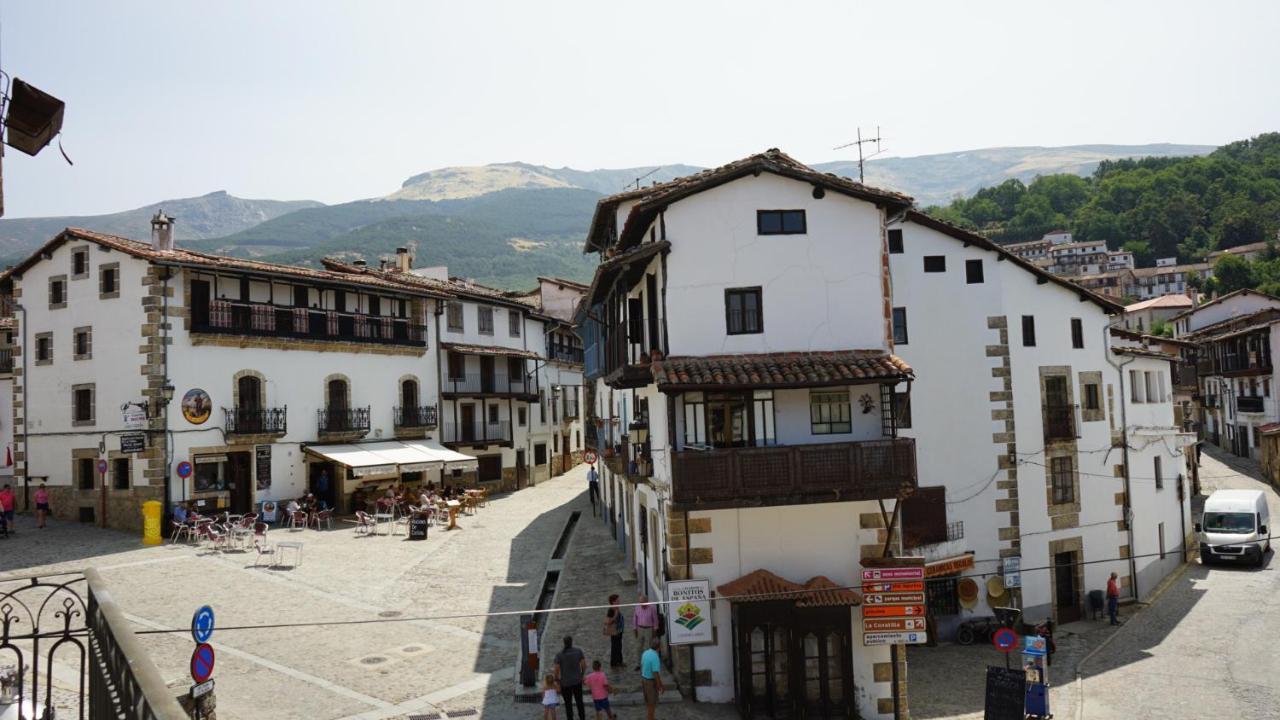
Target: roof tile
790	369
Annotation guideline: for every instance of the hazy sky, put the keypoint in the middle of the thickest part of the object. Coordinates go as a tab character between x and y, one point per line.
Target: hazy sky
334	101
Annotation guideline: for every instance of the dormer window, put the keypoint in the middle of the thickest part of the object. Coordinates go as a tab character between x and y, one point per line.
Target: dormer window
780	222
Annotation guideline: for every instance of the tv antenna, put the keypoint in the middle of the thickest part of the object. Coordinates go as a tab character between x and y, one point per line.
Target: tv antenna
636	182
863	158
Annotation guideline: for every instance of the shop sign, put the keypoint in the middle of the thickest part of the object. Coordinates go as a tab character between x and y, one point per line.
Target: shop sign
133	443
950	566
134	416
262	473
689	612
371	470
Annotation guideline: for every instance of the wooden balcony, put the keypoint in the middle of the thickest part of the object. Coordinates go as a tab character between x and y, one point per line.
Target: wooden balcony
793	474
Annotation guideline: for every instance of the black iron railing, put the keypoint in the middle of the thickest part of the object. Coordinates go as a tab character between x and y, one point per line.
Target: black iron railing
1059	422
257	421
478	432
342	420
244	318
6	360
497	383
415	417
566	355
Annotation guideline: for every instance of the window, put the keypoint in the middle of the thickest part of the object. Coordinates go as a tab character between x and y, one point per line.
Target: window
542	406
44	348
829	412
80	263
1136	387
522	417
1161	530
902	409
895	242
935	263
742	309
457	367
780	222
1077	333
82	409
555	444
924	517
57	292
973	272
577	439
409	396
540	454
1028	331
109	281
493	415
453	312
1062	478
82	343
942	596
1159	476
513	323
515	370
899	326
337	395
1257	437
120	474
1092	397
485	320
1150	381
84	473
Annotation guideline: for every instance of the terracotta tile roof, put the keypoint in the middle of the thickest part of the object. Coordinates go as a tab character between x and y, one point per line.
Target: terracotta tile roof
491	350
1215	301
1164	301
763	586
1144	352
1235	325
185	257
655	197
1269	428
779	370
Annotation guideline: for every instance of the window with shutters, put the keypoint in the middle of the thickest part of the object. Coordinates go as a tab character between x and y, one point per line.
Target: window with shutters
513	323
485	320
924	517
108	281
453	313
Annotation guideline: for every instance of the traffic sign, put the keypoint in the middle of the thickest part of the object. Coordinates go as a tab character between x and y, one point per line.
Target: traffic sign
897	573
202	662
184	469
895	638
894	599
880	611
202	624
1005	640
589	457
884	587
893	624
1012	569
1035	645
200	689
102	467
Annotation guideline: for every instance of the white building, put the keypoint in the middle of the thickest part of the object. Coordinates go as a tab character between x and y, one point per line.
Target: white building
554	301
194	377
1018	411
750	435
1145	315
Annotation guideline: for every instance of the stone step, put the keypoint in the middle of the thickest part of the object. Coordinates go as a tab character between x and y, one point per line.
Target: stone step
628	577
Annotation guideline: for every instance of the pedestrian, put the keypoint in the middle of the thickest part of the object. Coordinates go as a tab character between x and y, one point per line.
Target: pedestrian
550	697
42	505
645	620
593	487
651	678
322	487
614	626
6	508
571	665
1113	598
598	682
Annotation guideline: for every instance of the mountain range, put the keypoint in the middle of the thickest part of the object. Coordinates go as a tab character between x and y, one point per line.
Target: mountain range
505	223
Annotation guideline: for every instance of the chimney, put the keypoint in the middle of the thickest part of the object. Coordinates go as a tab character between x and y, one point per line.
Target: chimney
360	263
162	231
404	261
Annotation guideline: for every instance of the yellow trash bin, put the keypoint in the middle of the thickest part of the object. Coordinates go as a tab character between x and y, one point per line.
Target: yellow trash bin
151	510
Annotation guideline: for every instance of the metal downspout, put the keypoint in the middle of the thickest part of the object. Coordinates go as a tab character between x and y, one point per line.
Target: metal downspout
1124	450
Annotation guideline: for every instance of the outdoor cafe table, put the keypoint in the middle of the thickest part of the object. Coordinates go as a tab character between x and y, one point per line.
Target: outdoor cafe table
453	506
388	517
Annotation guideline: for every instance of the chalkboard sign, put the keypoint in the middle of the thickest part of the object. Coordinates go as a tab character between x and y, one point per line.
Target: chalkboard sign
418	527
1006	693
262	454
133	443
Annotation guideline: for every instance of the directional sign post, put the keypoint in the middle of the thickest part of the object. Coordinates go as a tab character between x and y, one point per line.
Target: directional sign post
893	606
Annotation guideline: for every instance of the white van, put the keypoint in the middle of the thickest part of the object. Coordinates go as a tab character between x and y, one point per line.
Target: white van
1234	527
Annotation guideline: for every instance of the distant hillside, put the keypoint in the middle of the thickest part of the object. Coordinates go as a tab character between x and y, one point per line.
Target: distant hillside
939	179
463	182
207	216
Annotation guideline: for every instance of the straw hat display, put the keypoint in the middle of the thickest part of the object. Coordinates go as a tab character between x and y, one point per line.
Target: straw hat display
967	589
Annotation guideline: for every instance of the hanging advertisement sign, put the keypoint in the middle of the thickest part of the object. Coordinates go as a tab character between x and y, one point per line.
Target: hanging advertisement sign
689	612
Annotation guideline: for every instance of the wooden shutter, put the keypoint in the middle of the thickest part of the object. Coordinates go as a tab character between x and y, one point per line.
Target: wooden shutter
924	517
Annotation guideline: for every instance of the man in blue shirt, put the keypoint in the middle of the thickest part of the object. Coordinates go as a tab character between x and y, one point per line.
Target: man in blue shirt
593	487
651	677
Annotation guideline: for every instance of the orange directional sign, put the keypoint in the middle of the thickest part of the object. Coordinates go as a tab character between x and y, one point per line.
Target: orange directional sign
883	611
894	599
893	625
885	587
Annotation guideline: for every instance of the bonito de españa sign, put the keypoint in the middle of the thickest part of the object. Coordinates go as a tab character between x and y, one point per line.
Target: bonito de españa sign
689	612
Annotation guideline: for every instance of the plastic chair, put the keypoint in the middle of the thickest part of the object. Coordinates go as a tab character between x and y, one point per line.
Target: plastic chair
364	523
263	549
179	529
216	535
298	520
323	516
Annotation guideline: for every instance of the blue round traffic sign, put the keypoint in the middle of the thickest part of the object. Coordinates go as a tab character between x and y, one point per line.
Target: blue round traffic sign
202	663
202	625
1005	639
184	469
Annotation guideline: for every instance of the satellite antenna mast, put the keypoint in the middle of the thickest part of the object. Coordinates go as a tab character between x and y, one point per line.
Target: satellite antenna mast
636	182
861	158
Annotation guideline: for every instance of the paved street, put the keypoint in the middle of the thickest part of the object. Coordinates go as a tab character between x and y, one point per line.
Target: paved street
1206	647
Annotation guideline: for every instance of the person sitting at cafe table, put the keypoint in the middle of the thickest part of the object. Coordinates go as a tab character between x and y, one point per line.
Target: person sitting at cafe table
358	500
180	512
291	508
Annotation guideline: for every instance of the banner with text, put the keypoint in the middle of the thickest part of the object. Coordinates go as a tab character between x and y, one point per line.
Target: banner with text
689	612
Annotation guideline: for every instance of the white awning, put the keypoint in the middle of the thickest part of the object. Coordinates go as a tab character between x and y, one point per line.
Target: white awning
409	458
390	457
452	460
360	461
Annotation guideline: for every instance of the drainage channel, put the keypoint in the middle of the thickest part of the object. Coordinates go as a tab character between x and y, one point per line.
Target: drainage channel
546	600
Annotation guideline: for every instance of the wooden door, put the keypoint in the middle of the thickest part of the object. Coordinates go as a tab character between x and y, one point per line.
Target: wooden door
486	374
1064	580
467	433
200	295
240	481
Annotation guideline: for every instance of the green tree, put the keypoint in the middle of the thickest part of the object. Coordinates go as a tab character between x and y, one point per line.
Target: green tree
1233	273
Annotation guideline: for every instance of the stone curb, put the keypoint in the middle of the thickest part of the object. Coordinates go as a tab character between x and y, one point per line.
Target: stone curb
1155	595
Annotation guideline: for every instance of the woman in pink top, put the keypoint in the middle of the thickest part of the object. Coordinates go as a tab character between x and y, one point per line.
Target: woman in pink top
42	505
